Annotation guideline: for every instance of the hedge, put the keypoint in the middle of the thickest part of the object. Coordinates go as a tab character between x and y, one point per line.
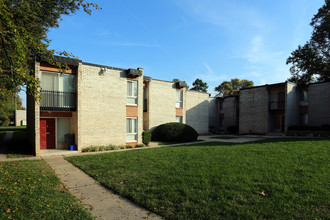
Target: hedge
174	132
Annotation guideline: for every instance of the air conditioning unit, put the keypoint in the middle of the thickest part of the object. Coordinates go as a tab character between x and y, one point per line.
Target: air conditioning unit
132	73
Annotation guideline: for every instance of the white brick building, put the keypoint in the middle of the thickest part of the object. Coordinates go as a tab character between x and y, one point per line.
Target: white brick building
94	105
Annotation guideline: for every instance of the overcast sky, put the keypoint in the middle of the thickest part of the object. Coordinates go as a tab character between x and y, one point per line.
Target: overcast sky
214	40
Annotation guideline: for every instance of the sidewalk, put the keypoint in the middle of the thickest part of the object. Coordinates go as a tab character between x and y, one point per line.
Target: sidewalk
101	202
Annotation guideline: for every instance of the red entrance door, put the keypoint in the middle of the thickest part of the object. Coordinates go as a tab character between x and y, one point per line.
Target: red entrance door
47	133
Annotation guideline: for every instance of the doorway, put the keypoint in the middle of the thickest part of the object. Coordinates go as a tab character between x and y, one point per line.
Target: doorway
47	133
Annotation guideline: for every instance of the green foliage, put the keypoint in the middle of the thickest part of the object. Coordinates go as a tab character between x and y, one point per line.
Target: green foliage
271	179
311	62
23	38
232	88
199	85
109	147
174	132
31	190
7	106
146	137
232	129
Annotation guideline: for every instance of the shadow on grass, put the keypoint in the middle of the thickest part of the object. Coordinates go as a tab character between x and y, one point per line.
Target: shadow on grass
18	145
268	140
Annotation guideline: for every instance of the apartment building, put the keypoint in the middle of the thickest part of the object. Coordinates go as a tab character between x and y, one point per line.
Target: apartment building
100	105
271	109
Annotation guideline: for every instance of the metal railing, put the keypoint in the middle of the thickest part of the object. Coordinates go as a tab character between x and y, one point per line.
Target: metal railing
277	105
57	100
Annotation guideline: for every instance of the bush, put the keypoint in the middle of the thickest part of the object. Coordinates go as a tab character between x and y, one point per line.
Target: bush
325	127
174	132
146	137
232	129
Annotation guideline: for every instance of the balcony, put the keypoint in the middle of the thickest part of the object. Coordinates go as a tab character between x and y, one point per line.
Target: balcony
57	101
277	105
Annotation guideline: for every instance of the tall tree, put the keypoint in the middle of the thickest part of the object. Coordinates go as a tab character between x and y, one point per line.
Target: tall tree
311	62
232	87
199	85
23	37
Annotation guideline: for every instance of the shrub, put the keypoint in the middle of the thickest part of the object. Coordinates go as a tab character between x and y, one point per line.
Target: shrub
232	129
325	127
174	132
146	137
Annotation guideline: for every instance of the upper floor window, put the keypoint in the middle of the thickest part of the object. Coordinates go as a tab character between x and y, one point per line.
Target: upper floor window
303	101
276	100
132	92
145	99
221	107
179	99
58	82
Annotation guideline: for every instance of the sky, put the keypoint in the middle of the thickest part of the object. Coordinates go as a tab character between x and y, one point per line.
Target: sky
213	40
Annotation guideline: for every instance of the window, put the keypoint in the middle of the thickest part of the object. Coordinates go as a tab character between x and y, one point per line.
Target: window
132	91
221	122
303	98
58	90
276	100
131	129
58	82
179	97
179	119
145	100
221	107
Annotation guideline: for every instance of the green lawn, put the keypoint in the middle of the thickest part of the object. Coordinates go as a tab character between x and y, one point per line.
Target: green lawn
274	179
30	190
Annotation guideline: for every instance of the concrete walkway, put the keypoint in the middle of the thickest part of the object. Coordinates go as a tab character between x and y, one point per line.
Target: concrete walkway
101	202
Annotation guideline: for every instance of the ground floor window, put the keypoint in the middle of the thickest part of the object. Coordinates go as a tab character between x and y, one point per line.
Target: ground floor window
179	119
131	129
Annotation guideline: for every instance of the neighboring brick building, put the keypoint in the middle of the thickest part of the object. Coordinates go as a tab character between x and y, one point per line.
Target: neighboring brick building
103	105
20	117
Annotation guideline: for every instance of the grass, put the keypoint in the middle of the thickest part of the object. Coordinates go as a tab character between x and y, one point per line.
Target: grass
30	190
161	143
274	179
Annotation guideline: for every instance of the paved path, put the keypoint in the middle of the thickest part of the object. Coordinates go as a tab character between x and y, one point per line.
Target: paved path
101	202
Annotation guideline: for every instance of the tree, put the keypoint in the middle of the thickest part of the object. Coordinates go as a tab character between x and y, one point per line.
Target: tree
23	37
199	85
231	88
7	106
311	62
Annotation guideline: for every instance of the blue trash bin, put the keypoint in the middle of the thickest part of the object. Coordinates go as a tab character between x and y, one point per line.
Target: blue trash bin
73	147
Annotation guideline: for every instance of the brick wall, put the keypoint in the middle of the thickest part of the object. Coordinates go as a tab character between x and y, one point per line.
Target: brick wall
197	111
253	111
20	117
291	105
162	99
319	103
33	117
229	108
101	110
214	113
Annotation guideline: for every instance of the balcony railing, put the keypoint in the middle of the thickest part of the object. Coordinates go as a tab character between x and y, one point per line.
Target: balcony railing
277	105
57	101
